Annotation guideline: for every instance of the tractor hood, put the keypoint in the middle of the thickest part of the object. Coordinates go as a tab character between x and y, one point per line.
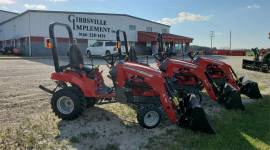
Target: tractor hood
183	63
210	60
175	62
142	69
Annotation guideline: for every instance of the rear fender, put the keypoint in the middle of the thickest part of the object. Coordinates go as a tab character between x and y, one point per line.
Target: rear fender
80	80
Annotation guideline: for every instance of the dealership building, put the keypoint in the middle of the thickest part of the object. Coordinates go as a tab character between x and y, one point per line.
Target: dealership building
29	30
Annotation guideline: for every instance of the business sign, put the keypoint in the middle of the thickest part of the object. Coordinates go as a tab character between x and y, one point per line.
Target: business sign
89	27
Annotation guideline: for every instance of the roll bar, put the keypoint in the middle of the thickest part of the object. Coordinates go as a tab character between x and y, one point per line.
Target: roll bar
119	40
54	44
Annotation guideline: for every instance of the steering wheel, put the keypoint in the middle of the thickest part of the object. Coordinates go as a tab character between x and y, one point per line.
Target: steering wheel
110	58
192	55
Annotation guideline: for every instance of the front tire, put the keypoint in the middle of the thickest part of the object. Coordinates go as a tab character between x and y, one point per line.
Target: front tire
89	55
67	104
107	52
149	116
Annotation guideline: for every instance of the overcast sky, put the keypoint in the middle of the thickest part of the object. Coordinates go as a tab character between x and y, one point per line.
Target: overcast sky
249	20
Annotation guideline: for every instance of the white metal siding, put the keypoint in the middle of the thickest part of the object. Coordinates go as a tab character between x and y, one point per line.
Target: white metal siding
38	25
15	29
40	21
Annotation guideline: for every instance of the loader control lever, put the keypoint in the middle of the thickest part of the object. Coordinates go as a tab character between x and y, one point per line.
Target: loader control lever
160	57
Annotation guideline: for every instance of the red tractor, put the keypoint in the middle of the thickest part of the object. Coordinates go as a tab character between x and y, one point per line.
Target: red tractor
222	73
217	77
79	86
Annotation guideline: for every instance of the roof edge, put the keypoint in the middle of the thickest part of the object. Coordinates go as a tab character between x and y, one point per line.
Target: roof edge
51	11
9	12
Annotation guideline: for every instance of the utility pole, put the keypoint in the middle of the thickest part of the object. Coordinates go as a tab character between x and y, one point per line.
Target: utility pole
230	40
212	35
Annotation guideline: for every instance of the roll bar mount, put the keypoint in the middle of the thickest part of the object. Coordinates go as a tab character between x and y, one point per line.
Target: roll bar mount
54	43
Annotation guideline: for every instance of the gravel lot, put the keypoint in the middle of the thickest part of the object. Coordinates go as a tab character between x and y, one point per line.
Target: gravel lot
20	98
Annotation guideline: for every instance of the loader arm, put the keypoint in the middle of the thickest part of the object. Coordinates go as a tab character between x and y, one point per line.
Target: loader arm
152	78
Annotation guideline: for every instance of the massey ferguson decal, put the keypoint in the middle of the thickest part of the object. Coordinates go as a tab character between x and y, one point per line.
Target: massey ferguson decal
139	71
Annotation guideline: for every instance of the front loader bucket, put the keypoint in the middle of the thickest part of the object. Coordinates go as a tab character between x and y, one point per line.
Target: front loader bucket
231	98
198	118
250	89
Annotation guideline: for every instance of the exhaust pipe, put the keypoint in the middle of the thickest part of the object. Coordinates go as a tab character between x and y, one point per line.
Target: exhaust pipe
250	89
46	89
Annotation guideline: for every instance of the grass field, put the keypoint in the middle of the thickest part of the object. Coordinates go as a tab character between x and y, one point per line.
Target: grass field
27	122
243	130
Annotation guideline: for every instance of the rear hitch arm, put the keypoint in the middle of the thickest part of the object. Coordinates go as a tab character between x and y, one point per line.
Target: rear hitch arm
46	89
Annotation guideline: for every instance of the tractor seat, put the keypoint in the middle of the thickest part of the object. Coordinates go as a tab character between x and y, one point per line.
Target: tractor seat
76	61
75	57
90	71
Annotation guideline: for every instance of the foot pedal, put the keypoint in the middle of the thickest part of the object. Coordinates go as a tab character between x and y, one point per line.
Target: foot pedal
105	90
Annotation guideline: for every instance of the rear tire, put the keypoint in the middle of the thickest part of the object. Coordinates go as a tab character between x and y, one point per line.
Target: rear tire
67	103
90	102
149	116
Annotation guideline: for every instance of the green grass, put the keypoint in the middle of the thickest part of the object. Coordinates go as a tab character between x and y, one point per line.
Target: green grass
245	130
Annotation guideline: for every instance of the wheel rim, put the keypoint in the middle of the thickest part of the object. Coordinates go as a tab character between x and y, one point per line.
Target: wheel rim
151	118
65	105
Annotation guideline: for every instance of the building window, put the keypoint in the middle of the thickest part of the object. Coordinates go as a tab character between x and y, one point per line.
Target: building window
164	31
132	27
148	29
